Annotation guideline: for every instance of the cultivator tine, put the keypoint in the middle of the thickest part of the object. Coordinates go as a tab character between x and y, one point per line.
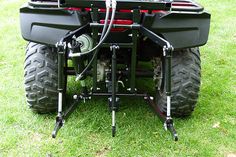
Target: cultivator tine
173	131
60	120
58	125
168	122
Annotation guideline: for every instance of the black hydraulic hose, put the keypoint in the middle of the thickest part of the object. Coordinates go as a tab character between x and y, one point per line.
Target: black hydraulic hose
101	40
96	52
103	30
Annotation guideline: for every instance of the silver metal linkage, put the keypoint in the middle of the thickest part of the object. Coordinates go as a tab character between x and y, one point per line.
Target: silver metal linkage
113	118
168	101
60	103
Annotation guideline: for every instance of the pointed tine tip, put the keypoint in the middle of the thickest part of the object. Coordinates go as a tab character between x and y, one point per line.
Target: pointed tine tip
53	134
176	137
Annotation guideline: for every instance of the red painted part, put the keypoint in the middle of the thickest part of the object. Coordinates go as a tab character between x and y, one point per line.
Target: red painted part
159	11
125	11
88	9
73	9
118	21
143	11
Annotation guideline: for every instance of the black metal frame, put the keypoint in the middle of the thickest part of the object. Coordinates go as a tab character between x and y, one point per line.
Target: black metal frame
136	30
124	4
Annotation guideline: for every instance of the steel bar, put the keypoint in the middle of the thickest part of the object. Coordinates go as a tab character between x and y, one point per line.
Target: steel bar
95	38
119	94
136	18
61	57
154	37
192	7
113	94
145	74
168	79
132	26
121	45
82	30
122	4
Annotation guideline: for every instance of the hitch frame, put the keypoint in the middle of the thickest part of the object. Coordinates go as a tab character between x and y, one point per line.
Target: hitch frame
137	30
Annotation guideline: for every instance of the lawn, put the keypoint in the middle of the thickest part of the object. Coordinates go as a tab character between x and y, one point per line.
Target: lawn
210	131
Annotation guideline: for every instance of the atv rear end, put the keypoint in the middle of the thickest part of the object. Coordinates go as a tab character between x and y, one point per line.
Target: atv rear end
107	41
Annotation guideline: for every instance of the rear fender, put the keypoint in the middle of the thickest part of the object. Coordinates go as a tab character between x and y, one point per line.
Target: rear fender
48	25
181	29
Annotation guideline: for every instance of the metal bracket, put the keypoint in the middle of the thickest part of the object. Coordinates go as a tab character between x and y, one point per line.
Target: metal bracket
81	30
61	49
61	46
167	54
169	125
113	94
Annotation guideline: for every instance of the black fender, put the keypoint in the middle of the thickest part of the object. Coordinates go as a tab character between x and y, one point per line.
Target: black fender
181	29
48	25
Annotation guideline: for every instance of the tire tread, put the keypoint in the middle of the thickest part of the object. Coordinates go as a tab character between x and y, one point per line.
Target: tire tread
186	80
41	78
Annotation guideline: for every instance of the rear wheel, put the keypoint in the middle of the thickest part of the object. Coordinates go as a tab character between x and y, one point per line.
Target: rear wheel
41	78
186	74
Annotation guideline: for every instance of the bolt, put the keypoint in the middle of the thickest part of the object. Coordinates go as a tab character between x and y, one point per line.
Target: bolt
75	97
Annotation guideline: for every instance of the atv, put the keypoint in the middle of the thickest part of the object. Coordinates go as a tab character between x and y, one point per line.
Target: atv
112	43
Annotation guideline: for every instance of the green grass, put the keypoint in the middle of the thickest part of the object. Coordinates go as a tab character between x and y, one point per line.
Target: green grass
140	133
